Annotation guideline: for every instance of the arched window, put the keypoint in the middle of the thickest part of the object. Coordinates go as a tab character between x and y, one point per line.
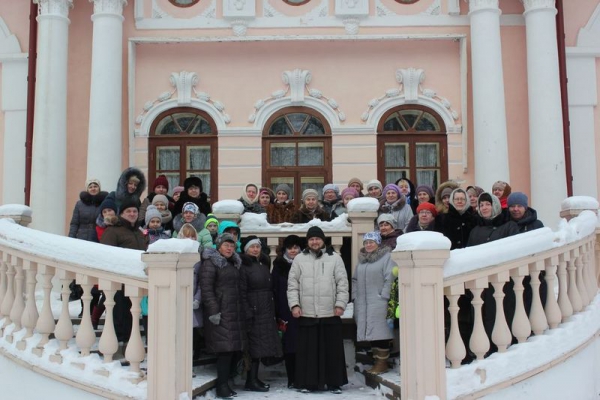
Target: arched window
297	150
183	3
182	143
412	143
296	2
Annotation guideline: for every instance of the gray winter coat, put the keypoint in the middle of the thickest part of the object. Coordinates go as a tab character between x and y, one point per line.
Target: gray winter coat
198	322
371	286
83	221
400	210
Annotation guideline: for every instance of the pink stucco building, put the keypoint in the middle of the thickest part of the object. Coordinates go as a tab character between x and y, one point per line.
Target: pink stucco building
303	92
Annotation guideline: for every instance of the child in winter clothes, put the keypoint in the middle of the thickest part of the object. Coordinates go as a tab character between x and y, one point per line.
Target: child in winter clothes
107	215
208	235
190	214
161	202
153	230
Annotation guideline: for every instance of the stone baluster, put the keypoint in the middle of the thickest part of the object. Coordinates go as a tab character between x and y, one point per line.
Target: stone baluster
45	324
336	242
573	292
108	344
566	309
587	268
536	315
272	243
64	327
135	352
16	312
455	348
9	296
581	287
479	343
30	315
553	315
86	337
597	259
362	222
2	281
521	328
501	335
592	269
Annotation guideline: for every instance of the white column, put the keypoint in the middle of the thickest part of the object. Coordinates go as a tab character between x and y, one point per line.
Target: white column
49	166
546	144
106	91
489	114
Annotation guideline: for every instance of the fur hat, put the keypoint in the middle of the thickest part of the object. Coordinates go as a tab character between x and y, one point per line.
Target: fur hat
161	180
192	181
427	206
391	186
210	218
129	203
374	183
427	189
356	180
152	212
389	218
374	236
160	198
499	185
293	240
249	241
284	187
90	181
517	198
331	186
108	203
178	189
189	206
315	231
222	238
475	189
309	192
350	190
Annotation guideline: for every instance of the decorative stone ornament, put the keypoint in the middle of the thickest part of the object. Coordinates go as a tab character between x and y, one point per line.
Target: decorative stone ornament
109	6
239	9
54	7
354	8
531	5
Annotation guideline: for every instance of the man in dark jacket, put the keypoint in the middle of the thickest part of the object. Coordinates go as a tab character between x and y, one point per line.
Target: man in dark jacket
521	213
124	234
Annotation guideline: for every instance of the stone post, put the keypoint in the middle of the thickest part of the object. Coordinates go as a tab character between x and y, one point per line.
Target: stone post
362	222
170	296
421	287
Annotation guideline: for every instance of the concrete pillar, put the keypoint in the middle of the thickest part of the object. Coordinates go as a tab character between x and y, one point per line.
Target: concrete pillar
105	125
49	167
546	144
489	114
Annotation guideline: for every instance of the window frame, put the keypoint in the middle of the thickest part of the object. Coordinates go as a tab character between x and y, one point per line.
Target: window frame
297	171
183	141
412	137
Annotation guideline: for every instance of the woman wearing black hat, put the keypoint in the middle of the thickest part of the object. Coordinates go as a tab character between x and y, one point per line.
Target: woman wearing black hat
257	297
292	246
192	193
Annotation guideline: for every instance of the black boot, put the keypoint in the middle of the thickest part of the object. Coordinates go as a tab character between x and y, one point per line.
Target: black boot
252	384
224	392
223	368
290	368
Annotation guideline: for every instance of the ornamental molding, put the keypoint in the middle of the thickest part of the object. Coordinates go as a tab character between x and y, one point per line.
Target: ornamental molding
209	13
320	11
354	8
351	25
480	5
539	5
297	93
239	9
434	9
184	85
54	7
589	35
411	91
109	6
239	27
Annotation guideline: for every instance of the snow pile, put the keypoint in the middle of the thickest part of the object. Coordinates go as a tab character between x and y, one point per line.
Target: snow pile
251	222
363	204
70	251
422	241
15	209
228	207
577	228
579	203
174	246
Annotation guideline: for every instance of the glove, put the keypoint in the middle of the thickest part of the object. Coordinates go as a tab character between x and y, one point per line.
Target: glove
215	319
390	323
196	304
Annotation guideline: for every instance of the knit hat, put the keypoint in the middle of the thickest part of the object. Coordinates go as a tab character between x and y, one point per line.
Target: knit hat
189	206
249	241
129	203
178	189
427	206
374	183
293	240
499	185
389	218
315	231
222	238
161	180
309	192
447	192
475	189
391	186
331	186
90	181
152	212
108	203
374	236
427	189
160	198
192	181
210	218
284	187
350	190
356	180
267	191
517	198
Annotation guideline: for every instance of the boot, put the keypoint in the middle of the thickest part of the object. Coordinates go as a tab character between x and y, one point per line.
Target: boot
252	384
224	392
380	365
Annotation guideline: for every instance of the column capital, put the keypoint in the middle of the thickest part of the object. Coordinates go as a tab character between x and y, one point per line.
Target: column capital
54	7
480	5
539	5
109	6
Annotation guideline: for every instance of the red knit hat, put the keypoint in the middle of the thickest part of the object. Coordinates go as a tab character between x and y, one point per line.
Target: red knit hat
161	180
427	206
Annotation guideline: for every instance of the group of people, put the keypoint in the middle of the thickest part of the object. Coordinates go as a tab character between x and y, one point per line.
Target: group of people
243	305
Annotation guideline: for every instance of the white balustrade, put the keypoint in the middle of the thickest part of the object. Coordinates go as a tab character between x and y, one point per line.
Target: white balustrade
109	344
30	314
16	311
9	296
537	317
479	343
573	291
45	323
86	337
135	352
553	315
521	328
501	334
564	303
455	348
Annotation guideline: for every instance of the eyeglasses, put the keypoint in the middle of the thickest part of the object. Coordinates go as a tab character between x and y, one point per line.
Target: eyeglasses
425	212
